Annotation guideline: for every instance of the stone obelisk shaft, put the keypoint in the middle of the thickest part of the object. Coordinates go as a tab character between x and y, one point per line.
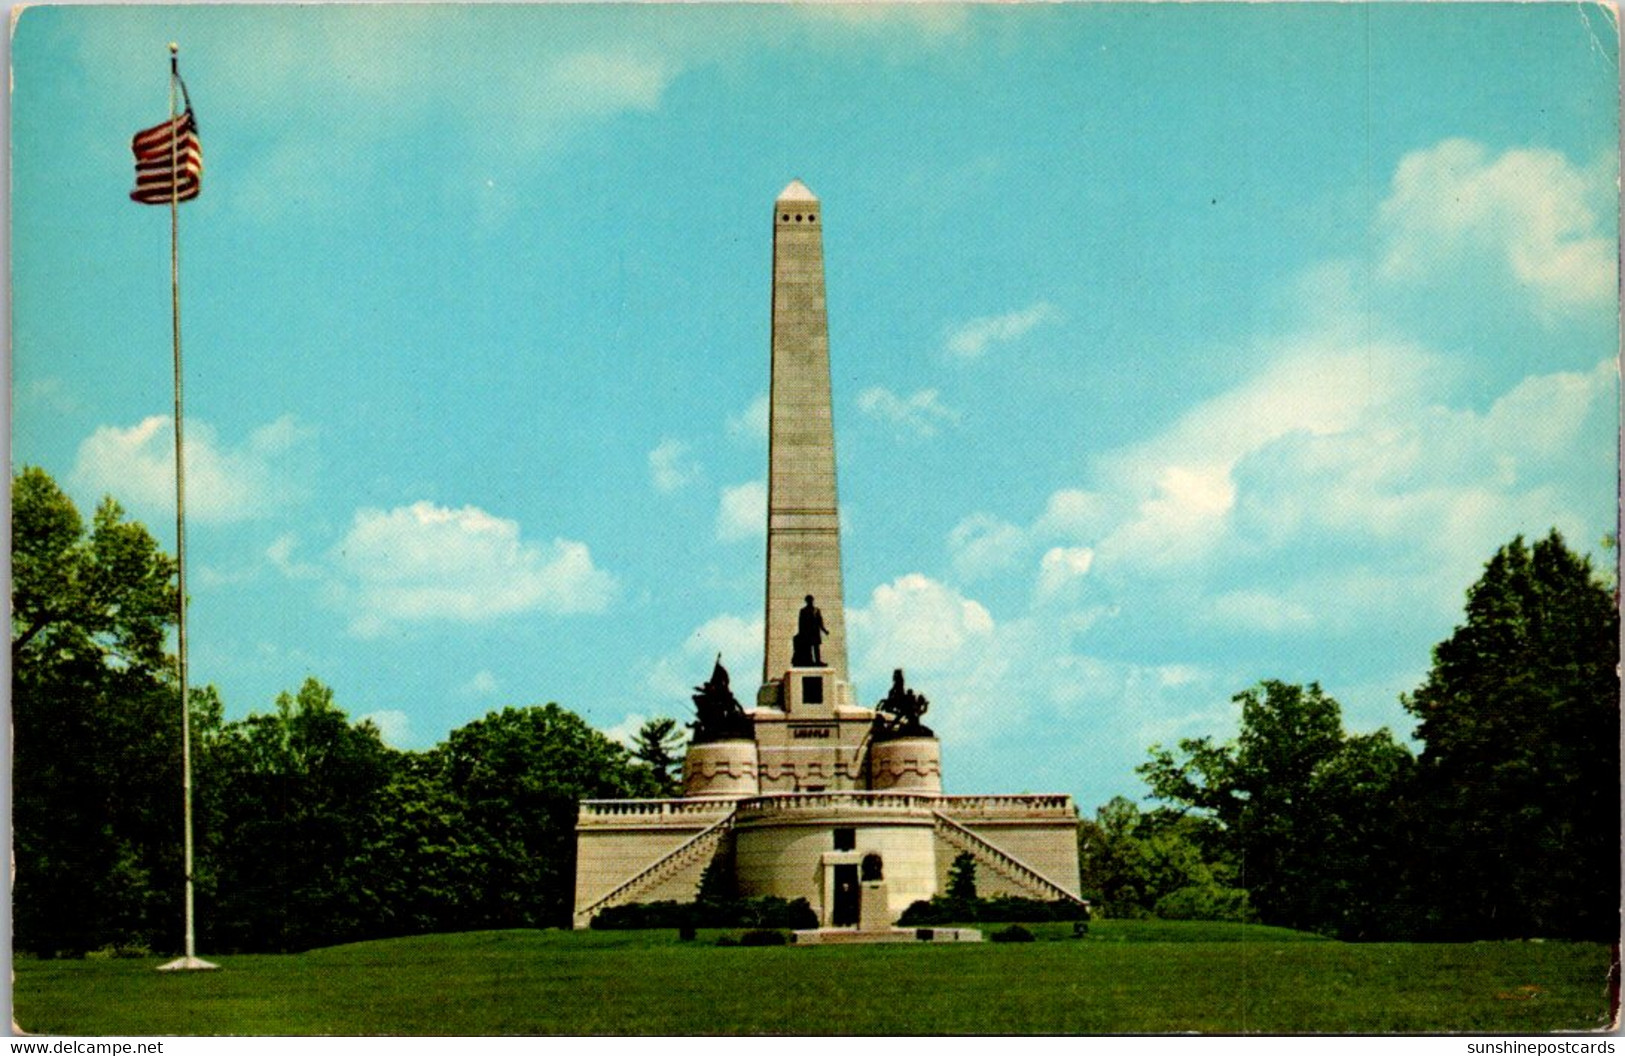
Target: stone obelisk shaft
803	523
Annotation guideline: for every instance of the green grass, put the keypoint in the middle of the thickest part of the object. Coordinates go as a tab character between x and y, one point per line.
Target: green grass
1127	976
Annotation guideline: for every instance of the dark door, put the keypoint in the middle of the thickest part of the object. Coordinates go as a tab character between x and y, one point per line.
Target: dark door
845	912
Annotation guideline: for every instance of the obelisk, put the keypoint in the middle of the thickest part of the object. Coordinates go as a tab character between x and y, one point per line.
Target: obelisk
803	522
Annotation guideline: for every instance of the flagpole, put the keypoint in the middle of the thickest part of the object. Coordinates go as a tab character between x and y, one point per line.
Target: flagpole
190	961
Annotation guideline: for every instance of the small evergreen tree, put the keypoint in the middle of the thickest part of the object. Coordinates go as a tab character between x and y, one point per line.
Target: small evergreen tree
658	746
962	878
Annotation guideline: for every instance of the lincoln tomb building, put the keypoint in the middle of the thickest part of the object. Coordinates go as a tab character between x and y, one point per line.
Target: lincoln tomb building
810	794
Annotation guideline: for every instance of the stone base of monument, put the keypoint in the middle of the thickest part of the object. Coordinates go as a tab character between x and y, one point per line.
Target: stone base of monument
855	936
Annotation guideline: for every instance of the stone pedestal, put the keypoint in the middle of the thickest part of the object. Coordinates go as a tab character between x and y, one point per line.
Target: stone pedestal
874	911
907	764
721	768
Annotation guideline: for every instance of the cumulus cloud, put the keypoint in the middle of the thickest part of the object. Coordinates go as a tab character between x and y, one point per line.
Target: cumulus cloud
973	339
625	732
394	726
425	563
671	468
996	682
224	484
1177	487
919	414
982	545
1449	480
751	423
280	554
1531	212
917	622
737	639
482	684
1062	566
742	512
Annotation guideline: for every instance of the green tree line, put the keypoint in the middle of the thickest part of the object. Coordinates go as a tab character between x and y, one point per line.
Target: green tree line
312	831
1505	825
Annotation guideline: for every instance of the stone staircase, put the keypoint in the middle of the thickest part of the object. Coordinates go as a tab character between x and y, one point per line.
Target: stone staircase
699	847
1006	865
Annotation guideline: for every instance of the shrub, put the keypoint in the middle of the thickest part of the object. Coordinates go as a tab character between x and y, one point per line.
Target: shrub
633	915
1014	933
1206	903
767	912
763	937
1001	910
771	912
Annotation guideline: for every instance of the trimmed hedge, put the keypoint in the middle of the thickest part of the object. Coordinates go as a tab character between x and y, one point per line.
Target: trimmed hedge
1001	910
766	912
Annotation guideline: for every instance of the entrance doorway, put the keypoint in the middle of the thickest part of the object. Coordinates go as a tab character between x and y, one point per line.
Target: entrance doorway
844	912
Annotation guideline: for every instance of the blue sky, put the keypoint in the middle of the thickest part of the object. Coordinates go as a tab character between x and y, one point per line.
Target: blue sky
1174	347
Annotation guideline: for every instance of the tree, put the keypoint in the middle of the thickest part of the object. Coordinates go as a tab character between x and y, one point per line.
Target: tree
656	746
962	877
105	600
1163	863
1295	801
305	790
1519	775
95	719
520	775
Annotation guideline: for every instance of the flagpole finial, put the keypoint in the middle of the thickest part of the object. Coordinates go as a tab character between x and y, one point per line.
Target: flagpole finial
174	47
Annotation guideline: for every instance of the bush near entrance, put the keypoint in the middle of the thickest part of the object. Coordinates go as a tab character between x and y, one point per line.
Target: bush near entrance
1001	910
766	912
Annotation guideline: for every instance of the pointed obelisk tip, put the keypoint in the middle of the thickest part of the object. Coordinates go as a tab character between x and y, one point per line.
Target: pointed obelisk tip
797	192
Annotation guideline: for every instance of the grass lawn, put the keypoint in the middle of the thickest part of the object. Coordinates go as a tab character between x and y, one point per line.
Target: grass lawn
1127	976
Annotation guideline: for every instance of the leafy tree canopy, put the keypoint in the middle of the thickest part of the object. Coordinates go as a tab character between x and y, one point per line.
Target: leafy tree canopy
1519	775
1299	806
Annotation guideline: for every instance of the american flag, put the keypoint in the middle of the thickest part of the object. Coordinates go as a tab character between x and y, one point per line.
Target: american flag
162	173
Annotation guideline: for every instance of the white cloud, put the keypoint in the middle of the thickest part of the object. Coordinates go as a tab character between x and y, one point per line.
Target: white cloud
973	339
737	639
1175	491
625	732
671	468
1061	566
394	726
1075	513
742	512
1531	211
423	563
1447	485
605	81
982	545
992	682
482	684
916	622
919	414
751	423
280	554
223	484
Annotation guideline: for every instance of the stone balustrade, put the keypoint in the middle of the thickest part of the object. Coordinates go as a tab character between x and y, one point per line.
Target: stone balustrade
701	810
686	811
1027	806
